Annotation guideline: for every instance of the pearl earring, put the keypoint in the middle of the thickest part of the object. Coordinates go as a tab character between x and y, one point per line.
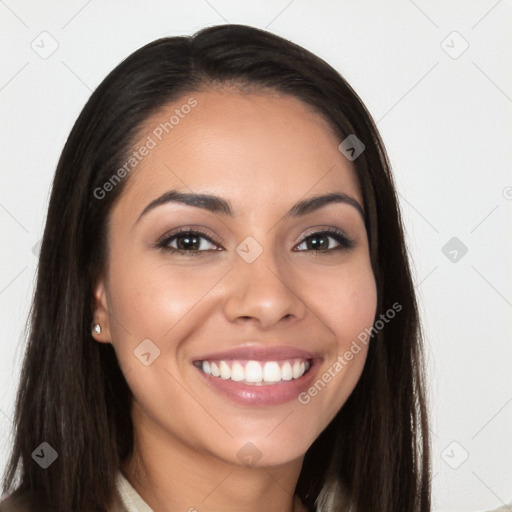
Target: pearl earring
97	328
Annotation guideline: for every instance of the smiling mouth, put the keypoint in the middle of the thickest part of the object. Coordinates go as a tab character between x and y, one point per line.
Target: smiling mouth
257	373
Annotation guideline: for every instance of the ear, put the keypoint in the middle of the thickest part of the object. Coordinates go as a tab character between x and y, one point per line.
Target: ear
101	314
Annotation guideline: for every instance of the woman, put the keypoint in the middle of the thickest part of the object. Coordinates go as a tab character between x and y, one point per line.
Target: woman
224	316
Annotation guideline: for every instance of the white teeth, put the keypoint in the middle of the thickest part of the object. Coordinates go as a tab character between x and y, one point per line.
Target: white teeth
271	372
237	372
215	370
225	370
295	370
286	371
255	372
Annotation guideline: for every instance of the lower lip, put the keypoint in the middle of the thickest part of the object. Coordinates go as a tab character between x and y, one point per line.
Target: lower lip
273	394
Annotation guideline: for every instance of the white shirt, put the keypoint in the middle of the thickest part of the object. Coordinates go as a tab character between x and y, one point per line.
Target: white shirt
130	498
132	501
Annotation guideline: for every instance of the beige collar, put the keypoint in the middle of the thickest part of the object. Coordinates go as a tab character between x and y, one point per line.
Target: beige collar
132	502
130	498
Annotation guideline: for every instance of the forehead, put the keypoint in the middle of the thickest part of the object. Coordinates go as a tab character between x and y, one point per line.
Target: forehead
251	148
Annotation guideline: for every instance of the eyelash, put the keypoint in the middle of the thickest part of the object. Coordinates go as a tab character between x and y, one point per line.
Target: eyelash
338	235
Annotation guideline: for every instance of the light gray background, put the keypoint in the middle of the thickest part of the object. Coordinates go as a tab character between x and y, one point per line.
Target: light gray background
445	117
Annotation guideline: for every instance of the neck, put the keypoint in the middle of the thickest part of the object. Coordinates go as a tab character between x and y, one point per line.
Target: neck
169	476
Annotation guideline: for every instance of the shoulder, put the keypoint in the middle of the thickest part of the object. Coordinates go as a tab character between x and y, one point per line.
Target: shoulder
20	503
15	503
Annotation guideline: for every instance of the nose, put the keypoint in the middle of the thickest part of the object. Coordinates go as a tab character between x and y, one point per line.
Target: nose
261	292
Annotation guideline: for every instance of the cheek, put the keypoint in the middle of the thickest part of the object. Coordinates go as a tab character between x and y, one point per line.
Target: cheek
148	298
357	307
346	301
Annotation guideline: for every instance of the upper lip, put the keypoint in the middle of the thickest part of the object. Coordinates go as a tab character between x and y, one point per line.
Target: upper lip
259	353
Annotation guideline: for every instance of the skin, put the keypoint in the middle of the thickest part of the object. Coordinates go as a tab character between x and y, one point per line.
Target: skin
262	152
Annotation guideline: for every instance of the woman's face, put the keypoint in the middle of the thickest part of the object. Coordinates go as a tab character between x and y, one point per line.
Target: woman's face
255	302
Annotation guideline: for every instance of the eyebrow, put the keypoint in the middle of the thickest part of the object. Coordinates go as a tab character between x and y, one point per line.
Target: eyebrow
221	206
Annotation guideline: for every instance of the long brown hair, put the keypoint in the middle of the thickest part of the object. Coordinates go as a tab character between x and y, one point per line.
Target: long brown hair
374	455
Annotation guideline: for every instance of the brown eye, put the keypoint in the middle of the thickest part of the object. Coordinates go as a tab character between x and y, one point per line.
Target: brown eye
188	242
322	241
